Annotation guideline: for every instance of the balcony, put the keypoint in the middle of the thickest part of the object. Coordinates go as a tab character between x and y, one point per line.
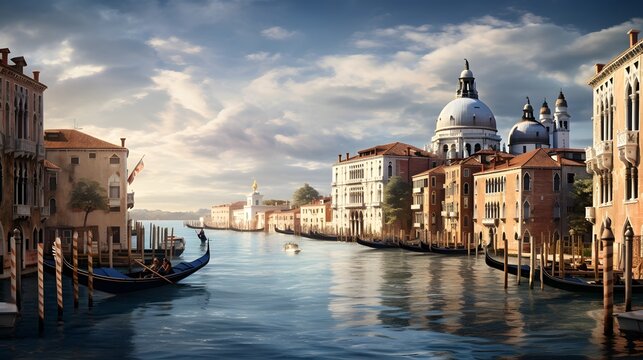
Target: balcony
25	147
130	200
417	190
355	205
453	214
443	213
627	143
417	225
9	143
603	151
490	222
416	206
590	214
592	165
21	211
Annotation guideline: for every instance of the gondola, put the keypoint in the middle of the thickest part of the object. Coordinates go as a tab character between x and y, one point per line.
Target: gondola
246	230
315	235
191	226
452	251
209	227
416	248
511	268
112	281
580	284
286	231
385	244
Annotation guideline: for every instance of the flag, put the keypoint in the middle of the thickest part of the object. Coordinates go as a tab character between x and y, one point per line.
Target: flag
139	167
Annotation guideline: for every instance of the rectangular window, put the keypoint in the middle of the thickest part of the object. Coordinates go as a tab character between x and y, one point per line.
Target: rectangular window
432	180
466	172
114	191
92	155
52	182
570	178
115	233
114	160
75	160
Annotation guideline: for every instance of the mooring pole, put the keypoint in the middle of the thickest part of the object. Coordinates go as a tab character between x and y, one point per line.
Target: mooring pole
506	259
19	265
629	234
59	277
608	276
90	270
41	289
74	251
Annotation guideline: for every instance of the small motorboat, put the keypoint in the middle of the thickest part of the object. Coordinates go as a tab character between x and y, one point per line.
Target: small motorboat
292	248
8	314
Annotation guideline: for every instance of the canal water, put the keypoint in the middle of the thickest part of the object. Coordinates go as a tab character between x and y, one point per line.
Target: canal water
333	300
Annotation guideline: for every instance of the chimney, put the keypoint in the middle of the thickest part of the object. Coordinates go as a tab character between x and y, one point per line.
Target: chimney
408	151
122	142
598	67
5	56
634	36
347	156
36	76
339	158
19	62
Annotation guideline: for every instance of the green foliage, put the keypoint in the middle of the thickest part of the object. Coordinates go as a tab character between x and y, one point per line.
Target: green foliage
87	196
397	202
304	195
580	197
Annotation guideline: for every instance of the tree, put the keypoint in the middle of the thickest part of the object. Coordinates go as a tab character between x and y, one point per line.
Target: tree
87	196
397	202
580	197
304	195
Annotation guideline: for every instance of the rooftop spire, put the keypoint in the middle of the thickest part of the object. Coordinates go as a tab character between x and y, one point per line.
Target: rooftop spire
466	64
467	87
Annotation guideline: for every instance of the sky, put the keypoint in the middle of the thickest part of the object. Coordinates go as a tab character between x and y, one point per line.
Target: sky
217	94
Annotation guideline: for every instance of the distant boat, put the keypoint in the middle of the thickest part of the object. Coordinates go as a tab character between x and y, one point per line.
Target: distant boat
245	230
292	247
384	244
112	281
511	268
316	235
286	231
452	251
195	225
8	314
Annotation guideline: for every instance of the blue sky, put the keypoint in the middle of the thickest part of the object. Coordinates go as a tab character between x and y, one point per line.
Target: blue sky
216	94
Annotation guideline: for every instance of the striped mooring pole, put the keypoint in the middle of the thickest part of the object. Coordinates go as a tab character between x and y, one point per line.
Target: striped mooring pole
74	245
14	268
90	271
59	277
41	288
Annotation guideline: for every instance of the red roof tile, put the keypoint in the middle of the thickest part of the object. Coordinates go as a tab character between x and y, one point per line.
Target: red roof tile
74	139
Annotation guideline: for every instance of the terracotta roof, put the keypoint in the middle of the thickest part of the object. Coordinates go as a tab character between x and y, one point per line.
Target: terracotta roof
395	149
534	159
51	166
74	139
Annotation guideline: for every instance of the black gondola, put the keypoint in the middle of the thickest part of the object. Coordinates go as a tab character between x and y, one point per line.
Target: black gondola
209	227
286	231
511	268
192	226
580	284
246	230
384	244
316	235
112	281
421	247
452	251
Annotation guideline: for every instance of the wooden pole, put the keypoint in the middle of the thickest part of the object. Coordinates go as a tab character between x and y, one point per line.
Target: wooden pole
110	249
165	243
468	237
172	249
553	257
628	267
59	277
608	277
543	264
561	265
90	270
74	254
595	260
129	245
19	267
518	273
41	288
141	232
100	253
532	262
506	259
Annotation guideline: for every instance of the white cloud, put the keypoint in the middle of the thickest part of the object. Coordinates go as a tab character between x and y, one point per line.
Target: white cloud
61	55
174	44
263	56
183	90
81	71
277	33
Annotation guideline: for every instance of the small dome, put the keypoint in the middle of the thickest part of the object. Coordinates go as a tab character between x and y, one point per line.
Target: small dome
466	73
528	107
528	132
466	112
545	109
561	102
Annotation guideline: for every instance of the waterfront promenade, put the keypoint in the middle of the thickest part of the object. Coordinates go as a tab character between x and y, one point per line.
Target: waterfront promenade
333	300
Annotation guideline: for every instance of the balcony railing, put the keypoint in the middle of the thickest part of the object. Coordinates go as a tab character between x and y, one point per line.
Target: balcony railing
591	161
489	222
25	147
417	225
417	190
443	213
20	210
603	151
453	214
355	205
113	202
627	143
590	214
416	206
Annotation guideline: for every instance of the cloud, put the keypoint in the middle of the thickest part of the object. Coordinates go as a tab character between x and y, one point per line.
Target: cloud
174	44
263	56
80	71
183	90
277	33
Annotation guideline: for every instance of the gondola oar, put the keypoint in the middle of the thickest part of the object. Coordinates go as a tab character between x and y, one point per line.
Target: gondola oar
150	269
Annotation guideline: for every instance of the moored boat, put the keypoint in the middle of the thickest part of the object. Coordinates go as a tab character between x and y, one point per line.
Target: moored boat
511	268
112	281
8	314
460	250
286	231
415	248
631	322
579	283
383	244
316	235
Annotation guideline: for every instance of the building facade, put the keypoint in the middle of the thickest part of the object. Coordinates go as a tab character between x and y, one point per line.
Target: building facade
317	216
221	215
614	158
79	156
285	220
358	182
22	172
458	203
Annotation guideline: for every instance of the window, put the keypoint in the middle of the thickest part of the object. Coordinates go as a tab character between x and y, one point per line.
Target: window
53	181
92	155
466	188
433	197
527	182
517	182
114	191
432	218
570	178
115	233
525	209
390	169
433	181
466	172
75	160
114	160
466	203
52	206
556	182
524	149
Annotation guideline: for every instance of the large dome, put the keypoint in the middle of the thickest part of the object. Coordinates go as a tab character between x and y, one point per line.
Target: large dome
528	132
467	113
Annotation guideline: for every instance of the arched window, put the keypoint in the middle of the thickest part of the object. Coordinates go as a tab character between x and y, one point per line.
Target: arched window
477	147
432	218
52	206
527	182
526	210
517	182
556	182
635	110
468	148
390	169
517	211
445	148
114	187
629	107
433	198
114	160
466	221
